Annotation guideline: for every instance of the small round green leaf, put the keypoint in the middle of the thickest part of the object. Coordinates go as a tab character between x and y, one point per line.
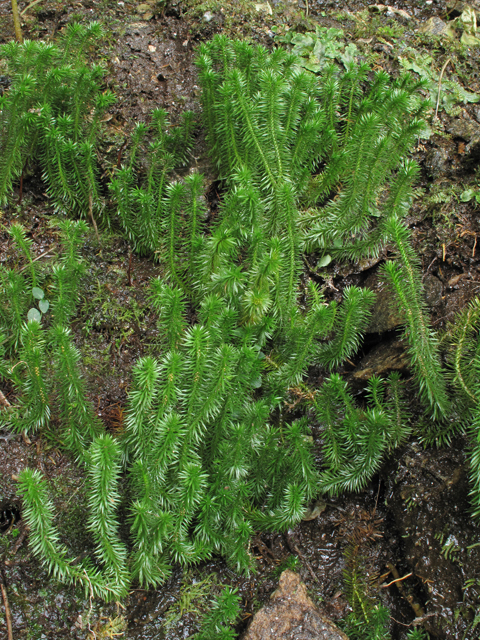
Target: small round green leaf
256	384
44	306
467	195
38	293
34	314
324	261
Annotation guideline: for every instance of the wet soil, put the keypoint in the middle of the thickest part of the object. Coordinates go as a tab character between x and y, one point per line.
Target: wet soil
414	516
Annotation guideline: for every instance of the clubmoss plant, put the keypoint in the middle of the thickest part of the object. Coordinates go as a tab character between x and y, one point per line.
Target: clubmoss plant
209	450
51	114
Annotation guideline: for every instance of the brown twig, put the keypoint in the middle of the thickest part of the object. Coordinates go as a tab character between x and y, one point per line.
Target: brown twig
384	586
94	635
20	190
129	270
440	87
32	4
428	268
8	614
451	10
419	612
19	541
16	21
45	253
90	212
120	151
416	621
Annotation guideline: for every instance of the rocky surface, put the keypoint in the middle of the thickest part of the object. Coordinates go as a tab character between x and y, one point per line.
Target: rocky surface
292	615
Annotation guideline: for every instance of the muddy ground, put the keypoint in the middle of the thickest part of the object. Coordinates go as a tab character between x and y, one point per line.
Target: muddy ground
414	515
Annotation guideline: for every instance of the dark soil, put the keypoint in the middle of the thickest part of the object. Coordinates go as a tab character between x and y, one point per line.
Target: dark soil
414	516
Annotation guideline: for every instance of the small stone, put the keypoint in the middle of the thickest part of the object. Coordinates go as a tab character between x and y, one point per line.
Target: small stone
433	290
455	8
264	7
437	27
314	510
291	614
382	360
465	128
152	48
385	314
438	161
143	8
208	16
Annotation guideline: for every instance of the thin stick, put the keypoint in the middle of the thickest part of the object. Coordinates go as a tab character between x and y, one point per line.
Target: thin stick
428	269
384	586
91	605
419	612
129	270
450	10
120	152
8	614
16	21
440	87
45	253
20	190
90	211
32	4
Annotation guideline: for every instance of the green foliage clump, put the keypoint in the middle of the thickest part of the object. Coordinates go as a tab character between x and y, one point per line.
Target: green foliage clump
203	452
266	130
148	205
46	375
51	114
225	610
405	278
210	451
464	368
356	439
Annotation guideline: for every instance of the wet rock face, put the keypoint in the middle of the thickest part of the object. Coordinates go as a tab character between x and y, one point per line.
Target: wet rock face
382	359
291	614
433	290
427	498
438	160
385	315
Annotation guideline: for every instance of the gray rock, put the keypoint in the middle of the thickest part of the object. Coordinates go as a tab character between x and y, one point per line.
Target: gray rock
314	510
382	360
437	27
385	314
438	161
456	7
433	290
465	128
291	615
